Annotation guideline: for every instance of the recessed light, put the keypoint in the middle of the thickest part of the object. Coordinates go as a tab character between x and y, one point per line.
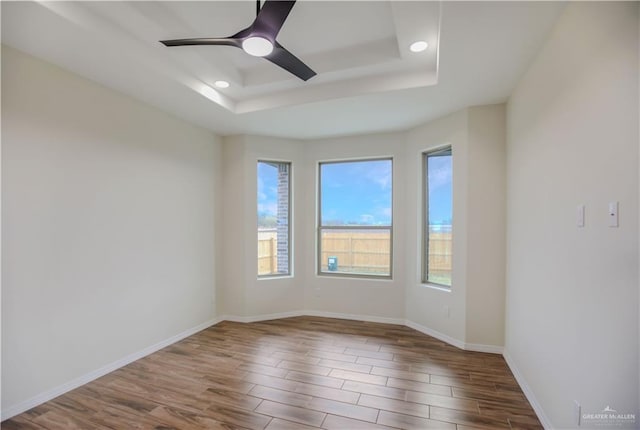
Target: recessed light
221	84
418	46
257	46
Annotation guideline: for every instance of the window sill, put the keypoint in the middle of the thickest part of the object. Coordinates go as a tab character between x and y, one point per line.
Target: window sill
270	277
354	276
436	287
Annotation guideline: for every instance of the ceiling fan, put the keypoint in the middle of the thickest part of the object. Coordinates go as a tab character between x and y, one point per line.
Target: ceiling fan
259	39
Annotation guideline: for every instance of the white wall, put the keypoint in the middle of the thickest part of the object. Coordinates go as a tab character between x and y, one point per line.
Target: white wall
379	298
109	210
572	133
244	295
231	287
425	305
486	220
475	303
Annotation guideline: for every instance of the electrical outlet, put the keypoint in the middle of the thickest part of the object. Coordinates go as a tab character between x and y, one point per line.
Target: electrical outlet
613	214
577	413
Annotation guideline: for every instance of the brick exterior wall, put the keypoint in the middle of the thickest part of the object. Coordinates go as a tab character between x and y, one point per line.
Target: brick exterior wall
283	218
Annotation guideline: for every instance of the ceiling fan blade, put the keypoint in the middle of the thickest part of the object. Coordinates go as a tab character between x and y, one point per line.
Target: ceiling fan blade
271	17
245	32
226	41
285	59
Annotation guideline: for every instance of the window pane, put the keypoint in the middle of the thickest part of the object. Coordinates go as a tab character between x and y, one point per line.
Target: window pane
356	193
439	215
356	251
354	235
273	218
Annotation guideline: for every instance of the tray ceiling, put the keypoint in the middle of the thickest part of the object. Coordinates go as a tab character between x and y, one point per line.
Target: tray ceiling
359	49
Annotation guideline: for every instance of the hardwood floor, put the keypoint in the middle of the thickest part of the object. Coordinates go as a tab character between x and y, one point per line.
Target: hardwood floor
297	373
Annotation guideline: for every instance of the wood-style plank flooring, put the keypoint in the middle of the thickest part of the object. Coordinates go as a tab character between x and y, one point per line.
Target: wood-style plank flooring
297	373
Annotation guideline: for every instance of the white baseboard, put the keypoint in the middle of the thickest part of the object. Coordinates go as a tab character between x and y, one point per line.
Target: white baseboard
493	349
86	378
544	420
479	347
264	317
310	313
476	347
434	333
355	317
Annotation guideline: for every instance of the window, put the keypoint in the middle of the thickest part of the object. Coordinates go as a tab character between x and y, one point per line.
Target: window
274	234
437	215
354	228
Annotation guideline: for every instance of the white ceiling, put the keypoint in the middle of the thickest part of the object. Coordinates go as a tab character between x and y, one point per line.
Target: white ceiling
367	80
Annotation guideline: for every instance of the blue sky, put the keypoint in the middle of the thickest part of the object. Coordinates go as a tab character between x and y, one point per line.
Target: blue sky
440	190
356	193
360	192
267	189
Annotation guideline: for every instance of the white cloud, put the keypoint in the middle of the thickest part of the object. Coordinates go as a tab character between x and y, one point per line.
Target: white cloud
380	173
367	219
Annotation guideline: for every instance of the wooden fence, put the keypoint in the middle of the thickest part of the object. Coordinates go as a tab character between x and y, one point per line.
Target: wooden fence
440	256
359	251
267	252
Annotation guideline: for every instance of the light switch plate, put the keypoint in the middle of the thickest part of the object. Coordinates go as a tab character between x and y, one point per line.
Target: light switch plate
580	215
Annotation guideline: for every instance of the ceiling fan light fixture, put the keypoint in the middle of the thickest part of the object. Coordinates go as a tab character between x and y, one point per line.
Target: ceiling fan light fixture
257	46
259	38
418	46
221	84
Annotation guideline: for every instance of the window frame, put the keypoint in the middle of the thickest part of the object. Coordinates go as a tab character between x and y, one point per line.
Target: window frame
289	272
320	227
424	250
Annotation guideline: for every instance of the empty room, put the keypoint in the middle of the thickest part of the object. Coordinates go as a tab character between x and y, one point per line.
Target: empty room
277	215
